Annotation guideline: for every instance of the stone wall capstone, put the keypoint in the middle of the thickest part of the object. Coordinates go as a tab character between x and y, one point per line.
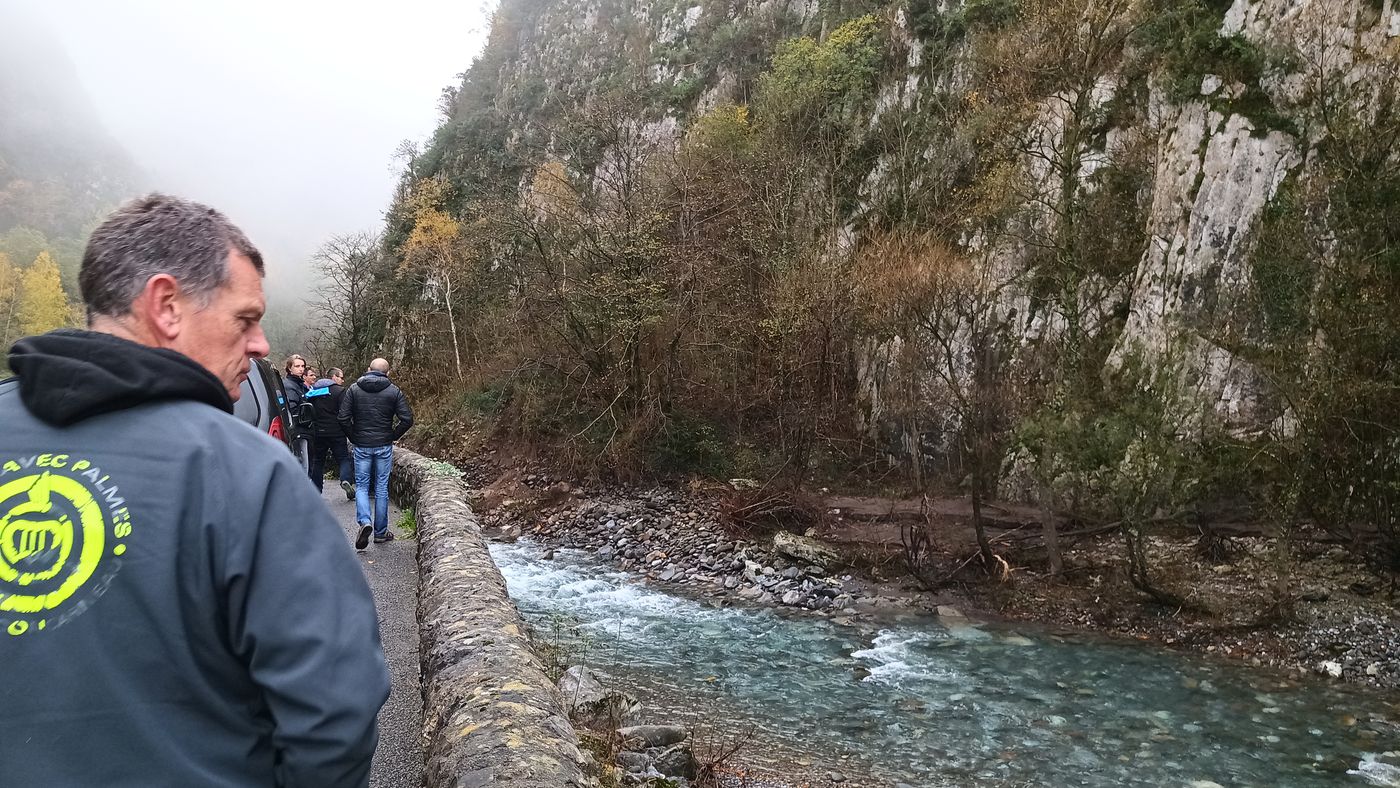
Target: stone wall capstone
490	715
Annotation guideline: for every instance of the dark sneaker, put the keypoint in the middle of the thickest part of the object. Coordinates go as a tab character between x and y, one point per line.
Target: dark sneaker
362	538
349	490
387	537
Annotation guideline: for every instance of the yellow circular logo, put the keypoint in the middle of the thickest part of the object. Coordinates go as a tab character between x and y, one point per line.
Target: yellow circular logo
53	533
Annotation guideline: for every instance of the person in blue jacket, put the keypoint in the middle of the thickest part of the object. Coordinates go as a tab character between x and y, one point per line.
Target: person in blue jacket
326	433
177	605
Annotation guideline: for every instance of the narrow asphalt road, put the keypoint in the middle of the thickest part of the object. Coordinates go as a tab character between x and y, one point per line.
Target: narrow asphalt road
392	571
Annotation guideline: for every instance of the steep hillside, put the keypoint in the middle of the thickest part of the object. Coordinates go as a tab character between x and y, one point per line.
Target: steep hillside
58	168
1113	256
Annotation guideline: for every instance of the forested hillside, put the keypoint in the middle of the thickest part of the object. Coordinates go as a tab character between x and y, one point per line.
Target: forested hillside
1124	259
59	174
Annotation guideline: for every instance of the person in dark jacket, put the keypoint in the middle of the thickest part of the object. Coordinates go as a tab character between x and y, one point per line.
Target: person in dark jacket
326	434
294	369
367	414
179	607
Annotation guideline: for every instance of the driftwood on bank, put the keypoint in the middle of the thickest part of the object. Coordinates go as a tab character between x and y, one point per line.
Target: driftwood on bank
995	514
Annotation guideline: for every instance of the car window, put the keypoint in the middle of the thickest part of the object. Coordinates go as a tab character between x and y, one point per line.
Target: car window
249	406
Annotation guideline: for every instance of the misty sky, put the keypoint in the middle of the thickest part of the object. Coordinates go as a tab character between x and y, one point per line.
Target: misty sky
283	114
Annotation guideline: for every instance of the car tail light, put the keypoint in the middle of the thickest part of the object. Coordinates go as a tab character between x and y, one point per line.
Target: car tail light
275	429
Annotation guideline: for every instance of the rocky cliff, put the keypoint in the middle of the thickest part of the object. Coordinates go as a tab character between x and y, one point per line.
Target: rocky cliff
1103	172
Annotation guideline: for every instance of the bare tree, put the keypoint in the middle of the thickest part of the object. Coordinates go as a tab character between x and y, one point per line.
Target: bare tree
945	303
347	322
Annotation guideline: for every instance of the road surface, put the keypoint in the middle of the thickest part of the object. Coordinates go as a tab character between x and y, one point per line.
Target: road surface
392	571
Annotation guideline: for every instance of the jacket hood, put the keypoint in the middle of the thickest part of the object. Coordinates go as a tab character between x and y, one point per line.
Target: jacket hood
323	383
68	375
374	382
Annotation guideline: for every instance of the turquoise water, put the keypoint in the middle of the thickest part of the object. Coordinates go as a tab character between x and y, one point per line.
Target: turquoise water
918	702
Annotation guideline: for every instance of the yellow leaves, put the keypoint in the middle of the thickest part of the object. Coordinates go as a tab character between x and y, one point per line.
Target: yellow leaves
42	303
435	242
724	129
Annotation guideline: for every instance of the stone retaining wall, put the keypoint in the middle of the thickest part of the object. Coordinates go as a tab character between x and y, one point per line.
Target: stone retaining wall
490	715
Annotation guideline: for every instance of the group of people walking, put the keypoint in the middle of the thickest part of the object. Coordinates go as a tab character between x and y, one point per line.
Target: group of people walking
357	428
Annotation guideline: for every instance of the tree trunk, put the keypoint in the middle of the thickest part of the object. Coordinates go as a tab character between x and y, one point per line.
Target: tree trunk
1051	533
1137	567
1049	529
984	545
452	323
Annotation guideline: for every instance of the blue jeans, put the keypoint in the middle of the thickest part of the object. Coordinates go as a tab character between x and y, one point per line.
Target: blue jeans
372	466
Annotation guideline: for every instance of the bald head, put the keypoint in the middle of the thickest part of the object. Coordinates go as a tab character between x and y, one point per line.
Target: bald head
379	365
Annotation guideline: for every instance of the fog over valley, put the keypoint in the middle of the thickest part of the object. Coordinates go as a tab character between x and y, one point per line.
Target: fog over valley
284	116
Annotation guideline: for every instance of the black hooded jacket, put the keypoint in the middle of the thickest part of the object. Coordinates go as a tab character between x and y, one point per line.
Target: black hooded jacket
180	608
325	399
368	410
295	388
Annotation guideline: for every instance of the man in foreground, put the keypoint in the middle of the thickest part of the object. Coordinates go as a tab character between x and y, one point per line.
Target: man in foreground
367	414
179	607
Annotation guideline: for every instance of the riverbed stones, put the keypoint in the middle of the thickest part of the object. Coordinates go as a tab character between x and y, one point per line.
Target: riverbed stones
661	534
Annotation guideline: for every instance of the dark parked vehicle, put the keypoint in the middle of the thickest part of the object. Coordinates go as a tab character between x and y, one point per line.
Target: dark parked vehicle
263	404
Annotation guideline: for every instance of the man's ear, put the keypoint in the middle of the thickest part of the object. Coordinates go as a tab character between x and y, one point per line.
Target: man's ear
161	308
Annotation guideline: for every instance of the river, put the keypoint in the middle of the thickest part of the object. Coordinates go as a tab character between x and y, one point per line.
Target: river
925	702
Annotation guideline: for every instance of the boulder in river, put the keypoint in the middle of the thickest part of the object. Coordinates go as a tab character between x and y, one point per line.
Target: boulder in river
592	705
653	735
676	762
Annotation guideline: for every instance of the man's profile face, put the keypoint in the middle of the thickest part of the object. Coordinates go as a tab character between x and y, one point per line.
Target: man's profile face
223	335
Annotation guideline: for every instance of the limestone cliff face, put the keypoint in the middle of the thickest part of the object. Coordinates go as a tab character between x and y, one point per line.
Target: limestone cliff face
1215	161
1216	172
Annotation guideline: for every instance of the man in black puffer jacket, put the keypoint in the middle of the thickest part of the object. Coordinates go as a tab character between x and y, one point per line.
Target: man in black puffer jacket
326	433
367	414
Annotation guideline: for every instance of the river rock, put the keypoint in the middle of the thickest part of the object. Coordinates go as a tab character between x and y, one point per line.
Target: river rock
653	735
1329	668
948	611
632	762
676	762
792	597
806	549
591	704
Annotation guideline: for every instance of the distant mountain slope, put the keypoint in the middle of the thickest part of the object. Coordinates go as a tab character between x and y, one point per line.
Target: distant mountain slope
59	170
